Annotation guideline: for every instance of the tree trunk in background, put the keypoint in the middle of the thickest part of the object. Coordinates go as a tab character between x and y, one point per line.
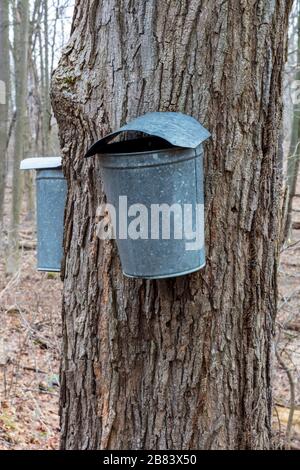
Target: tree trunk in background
4	96
183	363
36	75
21	39
46	117
29	176
294	154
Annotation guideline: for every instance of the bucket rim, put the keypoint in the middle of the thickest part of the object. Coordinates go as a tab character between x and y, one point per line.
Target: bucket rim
48	270
126	154
166	276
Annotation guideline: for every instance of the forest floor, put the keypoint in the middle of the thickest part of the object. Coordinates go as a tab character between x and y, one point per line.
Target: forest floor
30	337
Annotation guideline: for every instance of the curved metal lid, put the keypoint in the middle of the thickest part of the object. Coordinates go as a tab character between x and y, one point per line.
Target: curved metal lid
178	129
41	163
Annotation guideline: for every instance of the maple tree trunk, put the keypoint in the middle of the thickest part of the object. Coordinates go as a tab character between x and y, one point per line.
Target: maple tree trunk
183	363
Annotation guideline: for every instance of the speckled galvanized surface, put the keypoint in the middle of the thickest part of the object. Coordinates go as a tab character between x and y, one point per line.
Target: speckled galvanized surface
178	129
170	177
51	193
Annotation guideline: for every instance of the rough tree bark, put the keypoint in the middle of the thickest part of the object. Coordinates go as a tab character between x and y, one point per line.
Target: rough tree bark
183	363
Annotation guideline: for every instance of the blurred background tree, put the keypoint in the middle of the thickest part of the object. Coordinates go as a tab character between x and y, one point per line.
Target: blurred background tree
4	95
292	120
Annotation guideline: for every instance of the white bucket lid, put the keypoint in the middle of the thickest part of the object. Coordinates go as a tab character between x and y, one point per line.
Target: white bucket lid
41	163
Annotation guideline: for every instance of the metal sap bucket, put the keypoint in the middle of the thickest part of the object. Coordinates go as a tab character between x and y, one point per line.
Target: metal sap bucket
51	191
160	168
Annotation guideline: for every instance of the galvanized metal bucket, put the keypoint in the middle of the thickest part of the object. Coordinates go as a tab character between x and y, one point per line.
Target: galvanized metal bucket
161	168
51	189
